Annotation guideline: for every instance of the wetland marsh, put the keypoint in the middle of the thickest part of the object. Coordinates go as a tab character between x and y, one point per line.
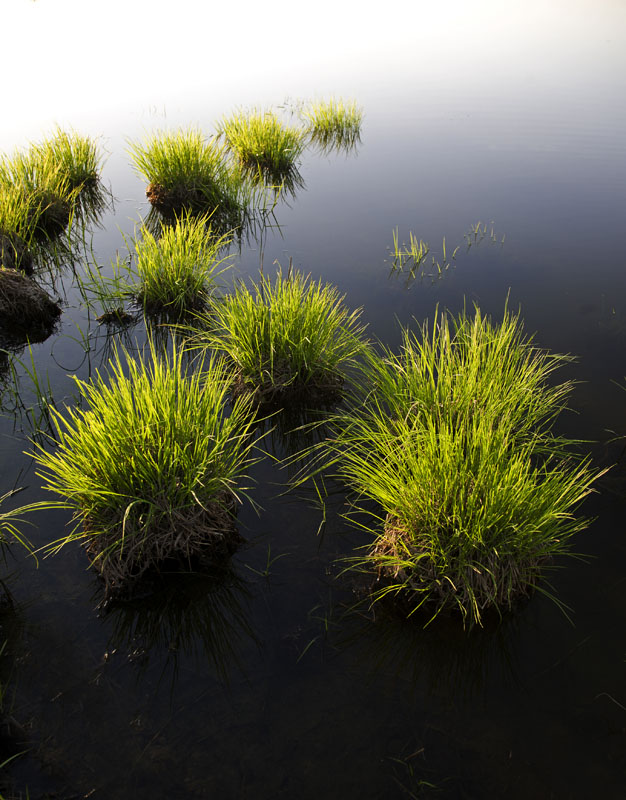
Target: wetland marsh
267	672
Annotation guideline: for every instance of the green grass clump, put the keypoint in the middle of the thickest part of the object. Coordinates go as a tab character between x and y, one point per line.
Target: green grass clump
452	438
152	466
178	271
42	187
262	144
288	339
16	228
187	172
333	124
45	189
76	157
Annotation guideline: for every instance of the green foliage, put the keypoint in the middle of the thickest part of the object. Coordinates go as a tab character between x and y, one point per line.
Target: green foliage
178	271
172	273
41	188
287	338
187	172
153	466
10	523
75	156
452	438
333	124
262	144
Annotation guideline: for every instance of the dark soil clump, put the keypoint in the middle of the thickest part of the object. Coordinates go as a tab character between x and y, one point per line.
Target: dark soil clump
205	534
26	310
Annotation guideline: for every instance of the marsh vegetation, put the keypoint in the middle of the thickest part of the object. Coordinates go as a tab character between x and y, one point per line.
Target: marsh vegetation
288	339
153	467
452	438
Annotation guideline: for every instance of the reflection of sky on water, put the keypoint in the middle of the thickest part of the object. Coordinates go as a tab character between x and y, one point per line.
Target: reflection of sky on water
117	64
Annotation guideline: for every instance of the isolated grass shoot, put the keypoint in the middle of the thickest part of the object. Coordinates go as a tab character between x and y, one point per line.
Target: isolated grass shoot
287	339
452	438
153	466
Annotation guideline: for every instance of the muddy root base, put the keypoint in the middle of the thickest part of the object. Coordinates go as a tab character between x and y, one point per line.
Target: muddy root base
318	391
490	584
202	535
172	202
50	217
25	308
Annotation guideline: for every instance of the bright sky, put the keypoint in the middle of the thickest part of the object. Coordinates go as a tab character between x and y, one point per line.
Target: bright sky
81	62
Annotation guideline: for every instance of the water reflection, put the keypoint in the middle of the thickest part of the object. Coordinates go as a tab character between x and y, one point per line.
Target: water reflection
442	656
200	614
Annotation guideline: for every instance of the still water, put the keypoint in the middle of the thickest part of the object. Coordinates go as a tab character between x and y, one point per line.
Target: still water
262	683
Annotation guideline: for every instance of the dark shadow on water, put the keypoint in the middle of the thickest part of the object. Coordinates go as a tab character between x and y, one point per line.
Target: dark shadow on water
185	614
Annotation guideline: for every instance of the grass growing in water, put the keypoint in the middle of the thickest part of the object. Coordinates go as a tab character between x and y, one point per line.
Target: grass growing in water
333	124
290	338
262	144
153	467
187	172
172	273
453	440
178	271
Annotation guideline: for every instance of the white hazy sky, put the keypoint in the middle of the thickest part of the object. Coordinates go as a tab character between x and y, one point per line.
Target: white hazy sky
84	63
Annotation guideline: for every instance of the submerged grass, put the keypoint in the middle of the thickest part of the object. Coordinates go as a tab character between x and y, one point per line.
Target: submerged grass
290	338
452	438
262	144
333	124
153	466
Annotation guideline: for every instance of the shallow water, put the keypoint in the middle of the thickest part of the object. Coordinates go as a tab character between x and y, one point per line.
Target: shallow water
260	683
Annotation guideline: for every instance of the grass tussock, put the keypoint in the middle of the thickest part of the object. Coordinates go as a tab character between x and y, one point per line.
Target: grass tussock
152	466
76	157
334	124
262	144
178	271
188	172
289	339
42	187
453	440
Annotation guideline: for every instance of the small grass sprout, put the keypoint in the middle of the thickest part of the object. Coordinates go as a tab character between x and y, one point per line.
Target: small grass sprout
452	438
333	124
153	464
262	144
288	339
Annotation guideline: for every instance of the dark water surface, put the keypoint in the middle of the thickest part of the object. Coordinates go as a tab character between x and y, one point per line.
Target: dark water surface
260	683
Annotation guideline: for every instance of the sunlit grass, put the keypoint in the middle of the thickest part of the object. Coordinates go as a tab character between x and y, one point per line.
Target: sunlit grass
76	156
262	144
288	338
188	172
452	438
179	270
333	124
152	466
172	273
